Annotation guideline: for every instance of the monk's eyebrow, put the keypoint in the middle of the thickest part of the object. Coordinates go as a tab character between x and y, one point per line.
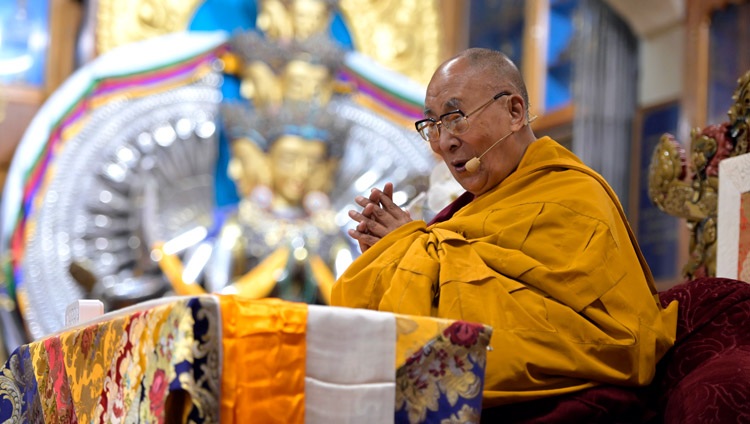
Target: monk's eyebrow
452	104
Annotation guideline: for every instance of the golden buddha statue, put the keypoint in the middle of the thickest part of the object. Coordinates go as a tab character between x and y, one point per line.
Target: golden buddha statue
298	167
310	17
291	59
294	20
282	240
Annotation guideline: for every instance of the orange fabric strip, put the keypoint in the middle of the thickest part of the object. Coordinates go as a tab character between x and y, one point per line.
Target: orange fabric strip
264	345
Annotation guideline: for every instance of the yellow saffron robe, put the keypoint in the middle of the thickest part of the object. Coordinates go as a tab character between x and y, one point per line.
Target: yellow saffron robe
548	260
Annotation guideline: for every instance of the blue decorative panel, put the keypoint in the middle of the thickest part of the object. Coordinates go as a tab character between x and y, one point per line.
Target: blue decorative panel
24	41
657	231
729	58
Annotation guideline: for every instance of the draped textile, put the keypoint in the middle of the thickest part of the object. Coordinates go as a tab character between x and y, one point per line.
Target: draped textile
209	359
546	259
605	90
127	368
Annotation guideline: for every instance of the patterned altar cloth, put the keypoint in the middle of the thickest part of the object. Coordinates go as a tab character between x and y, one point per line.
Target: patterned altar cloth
226	359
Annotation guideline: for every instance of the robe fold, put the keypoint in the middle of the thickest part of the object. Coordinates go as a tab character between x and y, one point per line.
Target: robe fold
547	259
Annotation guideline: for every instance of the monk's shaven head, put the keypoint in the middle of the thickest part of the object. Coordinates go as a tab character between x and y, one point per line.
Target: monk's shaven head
500	67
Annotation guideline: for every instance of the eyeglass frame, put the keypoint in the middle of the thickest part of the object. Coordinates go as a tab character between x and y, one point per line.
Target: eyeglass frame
466	116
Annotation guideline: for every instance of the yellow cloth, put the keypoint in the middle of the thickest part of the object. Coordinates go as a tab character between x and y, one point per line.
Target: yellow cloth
548	260
264	350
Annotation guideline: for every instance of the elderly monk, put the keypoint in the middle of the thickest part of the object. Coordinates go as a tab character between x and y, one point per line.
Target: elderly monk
538	248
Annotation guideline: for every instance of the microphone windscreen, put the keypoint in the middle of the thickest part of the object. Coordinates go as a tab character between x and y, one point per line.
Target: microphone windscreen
472	165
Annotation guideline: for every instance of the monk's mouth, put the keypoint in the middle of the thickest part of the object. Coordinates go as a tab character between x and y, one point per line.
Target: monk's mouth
459	165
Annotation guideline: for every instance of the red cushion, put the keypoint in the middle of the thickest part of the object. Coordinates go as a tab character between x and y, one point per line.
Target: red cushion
706	375
716	392
704	378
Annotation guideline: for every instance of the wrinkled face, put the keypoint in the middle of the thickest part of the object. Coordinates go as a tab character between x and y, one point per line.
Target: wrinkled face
458	86
298	166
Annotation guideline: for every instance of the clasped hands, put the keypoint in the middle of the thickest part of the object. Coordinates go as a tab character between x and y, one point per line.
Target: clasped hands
379	216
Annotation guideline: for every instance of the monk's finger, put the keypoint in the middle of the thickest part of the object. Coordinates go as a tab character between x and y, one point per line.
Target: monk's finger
356	235
363	239
376	227
377	220
356	216
381	215
374	194
362	201
388	190
392	215
387	204
368	225
361	227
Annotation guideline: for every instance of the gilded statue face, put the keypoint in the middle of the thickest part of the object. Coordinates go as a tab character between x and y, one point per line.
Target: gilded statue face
298	166
309	17
248	167
304	81
273	20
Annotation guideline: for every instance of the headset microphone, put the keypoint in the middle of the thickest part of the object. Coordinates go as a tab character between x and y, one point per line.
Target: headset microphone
473	164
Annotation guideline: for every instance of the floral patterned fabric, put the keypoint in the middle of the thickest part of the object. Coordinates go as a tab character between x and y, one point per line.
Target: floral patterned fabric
442	381
163	361
126	369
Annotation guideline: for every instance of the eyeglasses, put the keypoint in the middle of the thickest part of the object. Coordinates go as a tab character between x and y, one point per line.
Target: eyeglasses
455	122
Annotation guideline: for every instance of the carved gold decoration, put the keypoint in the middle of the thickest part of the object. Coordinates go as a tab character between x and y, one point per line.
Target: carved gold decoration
694	195
121	22
739	114
404	35
287	20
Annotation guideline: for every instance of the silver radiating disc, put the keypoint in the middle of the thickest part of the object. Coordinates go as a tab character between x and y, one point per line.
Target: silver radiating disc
150	156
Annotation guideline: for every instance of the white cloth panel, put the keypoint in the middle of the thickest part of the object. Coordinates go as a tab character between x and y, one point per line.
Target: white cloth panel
350	366
327	403
350	346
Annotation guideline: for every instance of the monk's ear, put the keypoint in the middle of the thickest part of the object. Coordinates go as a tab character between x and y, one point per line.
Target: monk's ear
517	109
